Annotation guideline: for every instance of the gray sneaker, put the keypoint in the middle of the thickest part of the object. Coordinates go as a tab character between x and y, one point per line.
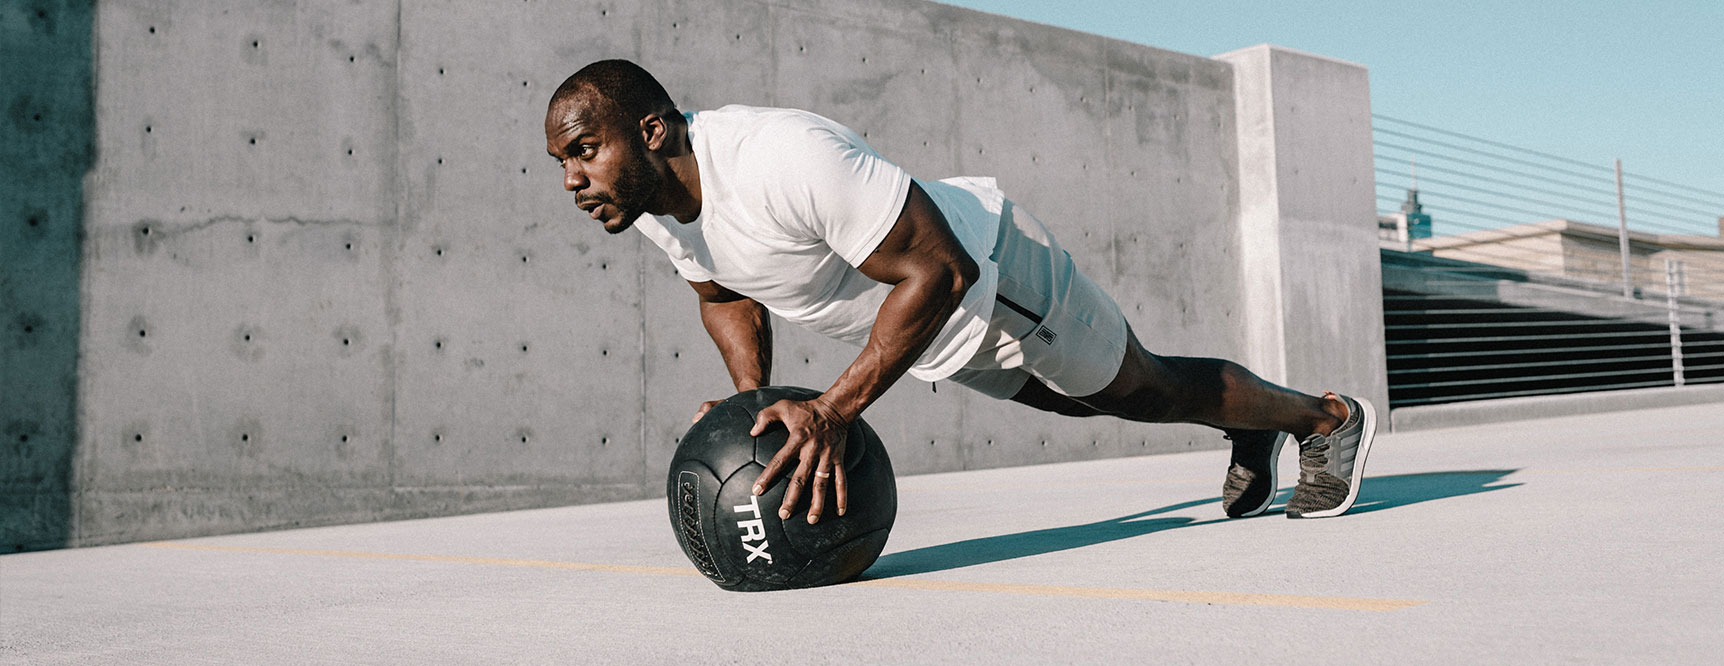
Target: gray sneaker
1331	467
1250	483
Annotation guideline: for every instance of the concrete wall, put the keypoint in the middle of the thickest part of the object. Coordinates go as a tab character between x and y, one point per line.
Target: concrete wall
327	273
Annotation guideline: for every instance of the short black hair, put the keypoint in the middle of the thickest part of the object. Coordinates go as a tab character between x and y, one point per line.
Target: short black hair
630	90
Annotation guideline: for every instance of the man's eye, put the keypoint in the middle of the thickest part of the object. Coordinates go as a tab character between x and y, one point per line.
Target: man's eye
587	152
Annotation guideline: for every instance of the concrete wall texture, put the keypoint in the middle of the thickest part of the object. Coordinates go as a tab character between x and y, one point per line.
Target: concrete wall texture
293	263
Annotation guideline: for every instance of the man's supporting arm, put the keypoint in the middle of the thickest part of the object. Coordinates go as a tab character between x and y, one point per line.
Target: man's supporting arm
742	330
929	271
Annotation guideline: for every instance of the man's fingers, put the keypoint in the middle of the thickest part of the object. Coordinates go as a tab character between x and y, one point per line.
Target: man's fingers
773	468
704	408
840	486
793	491
765	419
822	481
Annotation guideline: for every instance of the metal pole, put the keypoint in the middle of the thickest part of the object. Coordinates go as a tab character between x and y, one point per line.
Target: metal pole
1672	287
1622	233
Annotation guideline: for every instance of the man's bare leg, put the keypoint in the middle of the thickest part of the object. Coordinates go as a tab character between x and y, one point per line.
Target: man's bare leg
1210	391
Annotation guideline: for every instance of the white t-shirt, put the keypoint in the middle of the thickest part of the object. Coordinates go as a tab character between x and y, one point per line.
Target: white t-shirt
792	202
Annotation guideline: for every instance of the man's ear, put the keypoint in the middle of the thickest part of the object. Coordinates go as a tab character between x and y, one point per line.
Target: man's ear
653	131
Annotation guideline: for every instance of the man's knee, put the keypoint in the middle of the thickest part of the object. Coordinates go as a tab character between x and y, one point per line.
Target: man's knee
1145	389
1036	394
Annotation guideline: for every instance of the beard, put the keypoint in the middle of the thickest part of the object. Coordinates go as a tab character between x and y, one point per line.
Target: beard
637	184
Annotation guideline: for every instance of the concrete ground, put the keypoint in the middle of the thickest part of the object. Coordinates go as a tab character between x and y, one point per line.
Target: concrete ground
1590	539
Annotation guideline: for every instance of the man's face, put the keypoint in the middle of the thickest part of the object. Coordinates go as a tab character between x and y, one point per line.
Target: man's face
605	162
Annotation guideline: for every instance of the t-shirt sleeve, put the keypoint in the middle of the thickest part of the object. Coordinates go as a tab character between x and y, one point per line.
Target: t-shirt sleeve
830	187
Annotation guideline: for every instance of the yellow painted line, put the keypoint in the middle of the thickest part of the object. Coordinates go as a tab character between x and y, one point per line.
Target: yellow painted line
905	487
1611	470
450	559
1181	596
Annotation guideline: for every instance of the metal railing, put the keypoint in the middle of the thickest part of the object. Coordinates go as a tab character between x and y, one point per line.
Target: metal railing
1540	274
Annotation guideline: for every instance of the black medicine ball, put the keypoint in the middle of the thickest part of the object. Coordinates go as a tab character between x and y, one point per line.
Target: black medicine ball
736	539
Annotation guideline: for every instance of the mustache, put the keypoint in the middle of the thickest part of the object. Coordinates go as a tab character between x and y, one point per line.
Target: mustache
595	197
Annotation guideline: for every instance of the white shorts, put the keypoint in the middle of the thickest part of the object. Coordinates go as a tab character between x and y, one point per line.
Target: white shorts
1050	321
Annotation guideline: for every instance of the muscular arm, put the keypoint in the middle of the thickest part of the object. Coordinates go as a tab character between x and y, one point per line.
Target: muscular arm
742	330
929	271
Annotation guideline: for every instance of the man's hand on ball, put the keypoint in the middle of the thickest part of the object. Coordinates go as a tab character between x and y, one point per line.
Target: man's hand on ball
816	444
704	408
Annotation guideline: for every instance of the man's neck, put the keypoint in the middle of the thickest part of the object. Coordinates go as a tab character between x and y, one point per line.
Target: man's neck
682	190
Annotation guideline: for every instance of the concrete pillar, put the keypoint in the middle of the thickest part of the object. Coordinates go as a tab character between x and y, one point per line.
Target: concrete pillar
1312	275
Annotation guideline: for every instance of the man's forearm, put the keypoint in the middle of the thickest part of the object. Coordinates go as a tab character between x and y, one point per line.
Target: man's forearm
909	319
742	330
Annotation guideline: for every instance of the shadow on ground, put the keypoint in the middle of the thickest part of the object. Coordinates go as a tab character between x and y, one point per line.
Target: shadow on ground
1378	493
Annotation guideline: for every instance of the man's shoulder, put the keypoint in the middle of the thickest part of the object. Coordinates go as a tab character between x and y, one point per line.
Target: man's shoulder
752	127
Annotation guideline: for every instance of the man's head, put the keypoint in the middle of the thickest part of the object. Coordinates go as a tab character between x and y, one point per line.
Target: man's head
605	126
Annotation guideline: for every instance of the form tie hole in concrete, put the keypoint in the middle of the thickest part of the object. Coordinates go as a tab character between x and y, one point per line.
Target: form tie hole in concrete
990	442
146	231
438	344
152	29
350	58
345	342
138	437
604	352
254	43
252	141
251	238
676	354
33	221
439	160
604	12
930	442
739	37
248	337
523	84
143	333
523	169
23	438
350	151
29	329
523	349
805	361
523	439
439	71
148	129
604	441
523	258
437	437
1044	442
245	437
344	439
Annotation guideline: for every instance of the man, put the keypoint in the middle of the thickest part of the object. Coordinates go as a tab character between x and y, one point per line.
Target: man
783	211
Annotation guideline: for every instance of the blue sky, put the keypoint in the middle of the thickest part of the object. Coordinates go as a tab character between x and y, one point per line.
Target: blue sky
1584	79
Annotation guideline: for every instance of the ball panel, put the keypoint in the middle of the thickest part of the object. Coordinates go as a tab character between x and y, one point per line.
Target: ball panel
844	562
749	534
691	493
720	440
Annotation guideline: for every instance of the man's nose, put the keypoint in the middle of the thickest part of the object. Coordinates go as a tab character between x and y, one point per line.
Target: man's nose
574	180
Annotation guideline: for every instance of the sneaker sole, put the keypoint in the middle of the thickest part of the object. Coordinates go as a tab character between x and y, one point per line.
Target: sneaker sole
1274	457
1369	433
